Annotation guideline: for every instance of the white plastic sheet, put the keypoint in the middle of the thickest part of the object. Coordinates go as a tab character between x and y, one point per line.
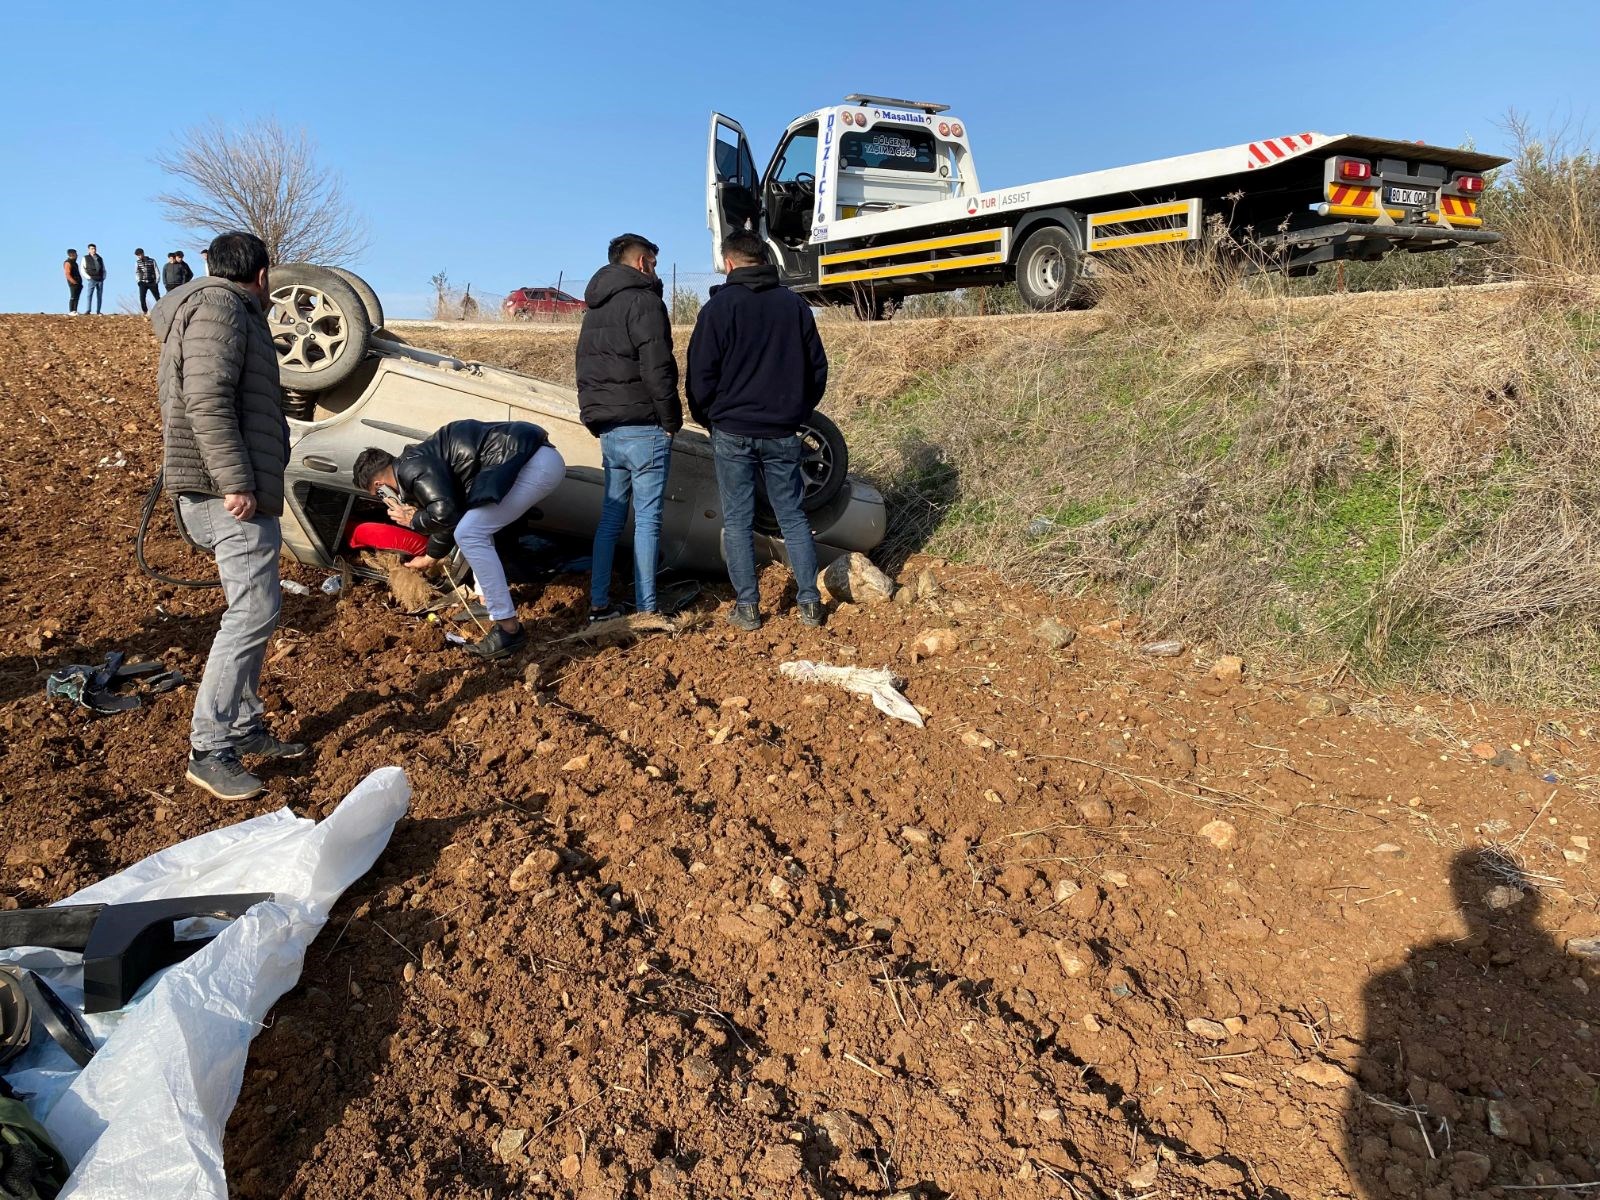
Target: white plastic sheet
145	1118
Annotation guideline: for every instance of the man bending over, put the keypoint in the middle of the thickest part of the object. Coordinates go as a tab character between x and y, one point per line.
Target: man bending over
461	487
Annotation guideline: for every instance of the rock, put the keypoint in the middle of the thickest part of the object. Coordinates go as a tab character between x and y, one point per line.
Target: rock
1234	1025
480	1038
699	1071
1049	1116
1145	1175
535	869
1228	669
1095	812
904	598
1470	1168
931	643
1065	890
846	1132
914	836
1320	705
579	763
1074	962
1181	755
1204	1027
855	579
1584	947
1484	751
1115	878
409	972
1504	897
975	739
1508	1123
1220	834
927	586
1053	635
780	888
735	702
1162	649
780	1163
1322	1074
509	1144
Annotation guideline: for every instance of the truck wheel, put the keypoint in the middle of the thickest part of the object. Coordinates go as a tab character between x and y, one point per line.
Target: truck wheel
824	464
319	326
1049	267
369	298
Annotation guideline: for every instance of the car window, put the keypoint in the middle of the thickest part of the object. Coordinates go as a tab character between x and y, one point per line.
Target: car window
890	149
798	156
568	299
733	161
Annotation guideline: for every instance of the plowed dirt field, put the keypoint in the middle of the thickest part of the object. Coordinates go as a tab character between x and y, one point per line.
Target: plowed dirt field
661	923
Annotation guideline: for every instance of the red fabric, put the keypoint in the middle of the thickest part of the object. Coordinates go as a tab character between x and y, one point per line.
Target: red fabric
380	535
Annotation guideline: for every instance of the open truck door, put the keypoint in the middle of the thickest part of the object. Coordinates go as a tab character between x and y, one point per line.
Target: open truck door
733	189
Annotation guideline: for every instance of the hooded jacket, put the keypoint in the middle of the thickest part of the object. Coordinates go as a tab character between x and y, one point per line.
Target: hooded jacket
222	421
756	363
626	372
463	465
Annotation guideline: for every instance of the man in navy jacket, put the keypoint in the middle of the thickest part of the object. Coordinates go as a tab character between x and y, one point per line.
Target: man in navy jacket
757	371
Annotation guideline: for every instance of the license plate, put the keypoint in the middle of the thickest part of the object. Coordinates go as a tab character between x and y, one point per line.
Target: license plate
1415	197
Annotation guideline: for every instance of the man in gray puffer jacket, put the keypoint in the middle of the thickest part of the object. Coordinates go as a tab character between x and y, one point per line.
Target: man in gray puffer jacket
226	446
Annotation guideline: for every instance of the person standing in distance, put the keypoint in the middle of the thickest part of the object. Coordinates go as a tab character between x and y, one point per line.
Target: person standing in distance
757	371
144	270
628	398
73	270
94	273
226	444
185	271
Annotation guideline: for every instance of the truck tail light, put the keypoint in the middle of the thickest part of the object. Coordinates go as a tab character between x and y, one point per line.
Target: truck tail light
955	128
1471	184
1356	169
944	128
848	118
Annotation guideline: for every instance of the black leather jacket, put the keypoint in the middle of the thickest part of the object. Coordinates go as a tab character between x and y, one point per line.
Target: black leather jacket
464	465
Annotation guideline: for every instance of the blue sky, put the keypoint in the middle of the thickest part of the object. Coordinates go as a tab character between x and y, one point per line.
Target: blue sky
507	142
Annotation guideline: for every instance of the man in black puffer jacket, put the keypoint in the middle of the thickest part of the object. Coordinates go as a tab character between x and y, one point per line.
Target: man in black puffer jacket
628	398
757	371
461	487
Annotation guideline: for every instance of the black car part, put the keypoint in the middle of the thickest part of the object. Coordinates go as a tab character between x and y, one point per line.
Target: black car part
94	687
146	515
26	998
122	944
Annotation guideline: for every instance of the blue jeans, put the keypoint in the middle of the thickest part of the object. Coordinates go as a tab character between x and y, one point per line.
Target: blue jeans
94	294
637	458
738	459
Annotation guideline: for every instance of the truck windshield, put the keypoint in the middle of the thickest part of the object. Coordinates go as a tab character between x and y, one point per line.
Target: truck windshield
890	149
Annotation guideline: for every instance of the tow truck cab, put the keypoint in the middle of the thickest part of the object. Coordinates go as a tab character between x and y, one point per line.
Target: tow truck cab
875	199
869	155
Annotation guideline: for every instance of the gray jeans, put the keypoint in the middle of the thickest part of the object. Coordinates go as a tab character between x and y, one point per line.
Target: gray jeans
227	708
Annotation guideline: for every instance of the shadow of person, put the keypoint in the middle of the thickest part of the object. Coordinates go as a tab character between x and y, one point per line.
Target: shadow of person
1479	1069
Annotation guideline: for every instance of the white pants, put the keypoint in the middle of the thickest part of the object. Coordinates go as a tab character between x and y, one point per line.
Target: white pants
539	476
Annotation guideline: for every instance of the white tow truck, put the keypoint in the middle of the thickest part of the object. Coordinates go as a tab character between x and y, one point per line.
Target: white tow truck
867	202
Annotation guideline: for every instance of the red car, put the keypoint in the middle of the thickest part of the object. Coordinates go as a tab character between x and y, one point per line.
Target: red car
525	304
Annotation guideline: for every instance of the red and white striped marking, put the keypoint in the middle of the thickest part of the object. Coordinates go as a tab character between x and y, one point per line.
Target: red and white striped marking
1264	154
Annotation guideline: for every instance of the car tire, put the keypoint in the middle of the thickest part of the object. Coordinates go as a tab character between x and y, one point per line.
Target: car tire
319	327
1049	269
369	298
825	467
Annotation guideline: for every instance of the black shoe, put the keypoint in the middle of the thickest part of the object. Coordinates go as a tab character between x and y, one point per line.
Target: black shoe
263	745
746	617
222	774
609	613
497	643
813	614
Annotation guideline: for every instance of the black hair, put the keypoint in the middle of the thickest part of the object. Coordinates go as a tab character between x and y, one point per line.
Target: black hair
92	246
70	250
238	256
744	246
370	463
179	253
172	254
621	247
140	250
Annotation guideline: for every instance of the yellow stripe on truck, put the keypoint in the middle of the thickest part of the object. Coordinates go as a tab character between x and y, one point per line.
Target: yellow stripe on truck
1141	239
938	243
917	268
1149	212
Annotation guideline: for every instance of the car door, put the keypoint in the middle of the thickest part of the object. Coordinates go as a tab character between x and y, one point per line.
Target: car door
733	189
